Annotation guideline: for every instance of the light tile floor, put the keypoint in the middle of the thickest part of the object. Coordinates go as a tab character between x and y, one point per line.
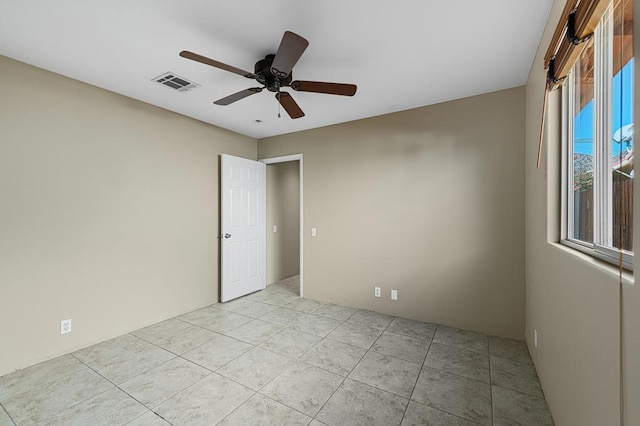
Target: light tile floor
271	358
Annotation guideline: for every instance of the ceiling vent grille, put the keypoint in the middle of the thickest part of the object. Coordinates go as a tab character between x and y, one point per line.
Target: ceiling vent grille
171	80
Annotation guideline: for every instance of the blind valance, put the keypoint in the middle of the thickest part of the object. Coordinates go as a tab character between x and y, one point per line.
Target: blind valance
577	24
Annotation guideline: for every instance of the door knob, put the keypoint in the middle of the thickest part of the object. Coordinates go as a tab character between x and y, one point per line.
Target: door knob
227	235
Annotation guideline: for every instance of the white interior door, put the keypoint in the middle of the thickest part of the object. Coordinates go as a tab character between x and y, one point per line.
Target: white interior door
243	227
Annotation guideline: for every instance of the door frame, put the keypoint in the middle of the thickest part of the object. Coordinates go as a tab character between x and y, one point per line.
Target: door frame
285	159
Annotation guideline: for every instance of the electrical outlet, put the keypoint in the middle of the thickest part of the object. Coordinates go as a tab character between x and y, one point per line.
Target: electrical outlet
376	291
65	326
314	232
394	294
275	228
535	338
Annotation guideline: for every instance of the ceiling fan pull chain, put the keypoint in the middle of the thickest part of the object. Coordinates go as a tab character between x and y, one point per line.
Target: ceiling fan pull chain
279	101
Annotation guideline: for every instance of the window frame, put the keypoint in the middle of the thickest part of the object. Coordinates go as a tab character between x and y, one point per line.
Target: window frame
602	176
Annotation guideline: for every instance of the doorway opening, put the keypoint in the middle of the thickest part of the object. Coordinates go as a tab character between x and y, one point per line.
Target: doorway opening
284	219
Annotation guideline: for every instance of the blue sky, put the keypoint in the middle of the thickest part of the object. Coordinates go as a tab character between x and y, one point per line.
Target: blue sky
622	112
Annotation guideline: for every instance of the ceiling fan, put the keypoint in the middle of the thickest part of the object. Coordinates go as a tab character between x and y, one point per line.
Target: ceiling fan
274	73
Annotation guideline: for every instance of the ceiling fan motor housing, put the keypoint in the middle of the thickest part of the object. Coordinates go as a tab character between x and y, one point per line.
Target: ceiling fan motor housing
263	71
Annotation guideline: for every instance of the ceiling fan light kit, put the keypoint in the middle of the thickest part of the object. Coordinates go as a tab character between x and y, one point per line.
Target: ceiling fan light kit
274	72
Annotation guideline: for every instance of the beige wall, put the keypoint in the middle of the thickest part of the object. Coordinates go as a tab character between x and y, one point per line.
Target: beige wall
283	210
429	202
572	302
108	216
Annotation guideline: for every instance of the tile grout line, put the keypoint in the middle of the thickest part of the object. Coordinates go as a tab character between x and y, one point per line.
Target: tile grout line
360	360
457	347
272	379
445	371
215	371
454	373
282	403
516	390
234	381
242	403
366	384
528	395
344	378
7	413
108	380
152	409
419	374
45	383
68	375
519	392
176	354
493	417
148	411
131	396
277	375
238	407
198	381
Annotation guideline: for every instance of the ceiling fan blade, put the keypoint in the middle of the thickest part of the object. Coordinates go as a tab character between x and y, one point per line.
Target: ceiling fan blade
291	48
238	95
217	64
289	105
320	87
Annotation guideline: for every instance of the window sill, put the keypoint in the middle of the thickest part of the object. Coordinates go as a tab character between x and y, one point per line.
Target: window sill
602	265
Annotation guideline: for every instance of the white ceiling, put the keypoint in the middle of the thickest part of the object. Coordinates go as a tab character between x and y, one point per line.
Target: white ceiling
402	55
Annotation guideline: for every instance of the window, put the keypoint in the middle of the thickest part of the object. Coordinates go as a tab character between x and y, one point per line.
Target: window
598	147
